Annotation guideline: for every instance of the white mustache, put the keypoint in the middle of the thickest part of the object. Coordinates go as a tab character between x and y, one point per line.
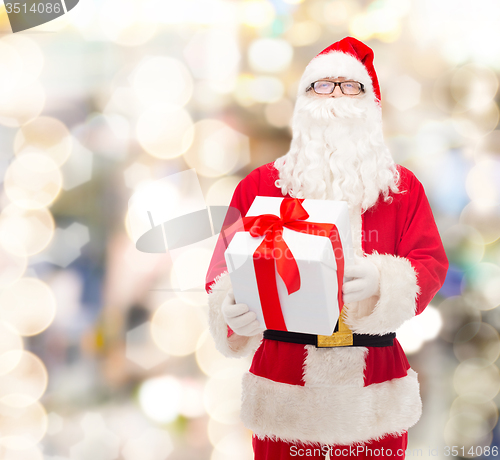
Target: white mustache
333	108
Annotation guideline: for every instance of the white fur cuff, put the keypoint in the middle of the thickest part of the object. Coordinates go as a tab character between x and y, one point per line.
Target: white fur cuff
240	346
396	302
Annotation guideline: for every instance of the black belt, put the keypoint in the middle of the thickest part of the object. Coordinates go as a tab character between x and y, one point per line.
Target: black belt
336	340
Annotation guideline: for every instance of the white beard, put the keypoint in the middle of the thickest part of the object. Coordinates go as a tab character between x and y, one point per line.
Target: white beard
337	152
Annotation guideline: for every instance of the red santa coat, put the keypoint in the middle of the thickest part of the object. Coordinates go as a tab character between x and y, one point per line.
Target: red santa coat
341	395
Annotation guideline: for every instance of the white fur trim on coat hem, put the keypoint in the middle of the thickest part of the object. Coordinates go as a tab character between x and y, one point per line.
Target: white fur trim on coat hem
335	415
396	302
217	325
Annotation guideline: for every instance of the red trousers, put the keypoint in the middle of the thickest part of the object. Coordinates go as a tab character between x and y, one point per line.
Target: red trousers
389	447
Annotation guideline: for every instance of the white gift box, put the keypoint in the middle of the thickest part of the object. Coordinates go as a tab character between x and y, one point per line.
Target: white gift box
313	309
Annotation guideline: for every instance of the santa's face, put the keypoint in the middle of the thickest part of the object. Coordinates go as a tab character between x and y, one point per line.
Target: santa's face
337	149
335	99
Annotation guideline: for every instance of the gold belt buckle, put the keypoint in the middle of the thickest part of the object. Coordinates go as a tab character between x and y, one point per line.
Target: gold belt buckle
341	338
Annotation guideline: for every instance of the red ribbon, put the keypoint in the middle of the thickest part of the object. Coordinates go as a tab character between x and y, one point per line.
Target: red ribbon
274	249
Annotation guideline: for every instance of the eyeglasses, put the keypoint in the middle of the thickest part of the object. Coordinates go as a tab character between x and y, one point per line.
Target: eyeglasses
350	88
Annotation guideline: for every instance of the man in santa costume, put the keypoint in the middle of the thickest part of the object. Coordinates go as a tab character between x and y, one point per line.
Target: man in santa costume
301	398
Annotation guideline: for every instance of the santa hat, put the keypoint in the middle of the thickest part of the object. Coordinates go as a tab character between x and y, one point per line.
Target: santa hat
347	58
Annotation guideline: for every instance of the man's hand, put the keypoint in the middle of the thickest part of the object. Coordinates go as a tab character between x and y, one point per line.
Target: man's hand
239	318
365	283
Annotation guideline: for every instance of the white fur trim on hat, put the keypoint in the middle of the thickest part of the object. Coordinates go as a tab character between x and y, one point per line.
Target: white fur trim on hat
236	346
340	414
396	302
335	64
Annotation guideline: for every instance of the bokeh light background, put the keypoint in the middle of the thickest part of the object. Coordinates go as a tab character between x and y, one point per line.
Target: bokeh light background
101	357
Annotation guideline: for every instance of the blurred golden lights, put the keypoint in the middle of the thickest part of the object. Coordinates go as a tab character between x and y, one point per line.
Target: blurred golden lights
162	79
222	395
44	135
33	181
477	340
279	113
214	55
22	61
190	267
211	361
477	122
10	66
382	23
270	55
27	453
474	86
26	382
483	184
165	131
151	444
216	148
160	398
29	305
267	89
221	191
147	206
22	427
21	104
485	218
303	33
477	380
126	22
177	326
10	340
12	267
484	279
256	13
25	231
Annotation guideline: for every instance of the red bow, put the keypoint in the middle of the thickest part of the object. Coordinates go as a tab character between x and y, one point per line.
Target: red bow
274	248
